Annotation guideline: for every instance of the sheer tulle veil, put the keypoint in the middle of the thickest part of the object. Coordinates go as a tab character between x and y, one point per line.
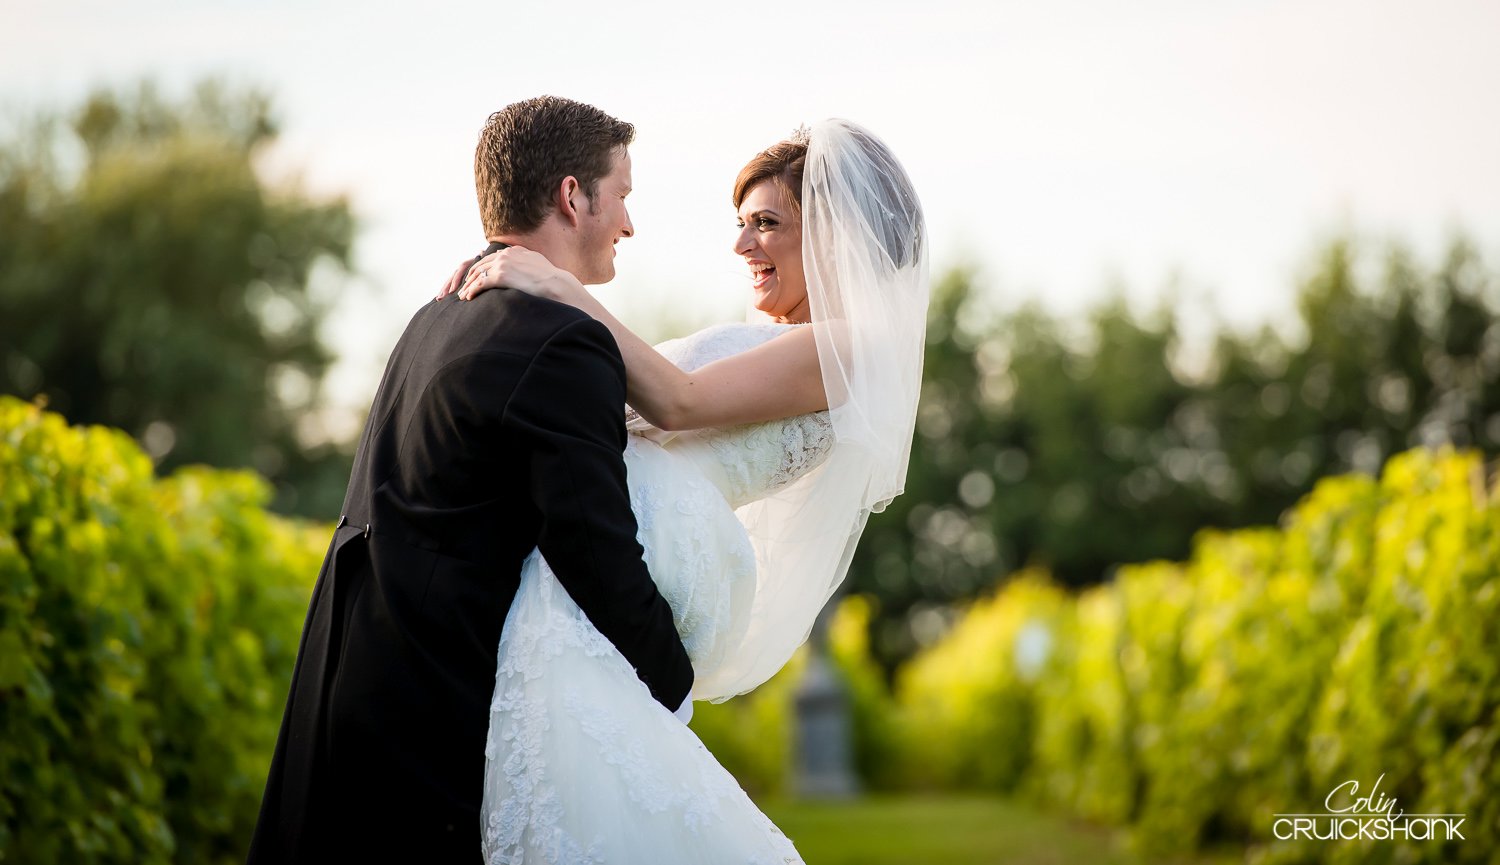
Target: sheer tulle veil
864	250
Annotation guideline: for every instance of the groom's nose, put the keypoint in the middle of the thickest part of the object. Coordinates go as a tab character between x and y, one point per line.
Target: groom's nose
628	230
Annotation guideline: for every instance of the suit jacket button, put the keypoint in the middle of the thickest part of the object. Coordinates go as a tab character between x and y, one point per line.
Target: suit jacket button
367	530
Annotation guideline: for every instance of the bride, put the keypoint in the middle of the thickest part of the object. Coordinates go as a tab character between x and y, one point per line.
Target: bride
758	451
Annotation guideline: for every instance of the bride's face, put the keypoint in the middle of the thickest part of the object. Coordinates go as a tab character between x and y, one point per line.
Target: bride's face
770	241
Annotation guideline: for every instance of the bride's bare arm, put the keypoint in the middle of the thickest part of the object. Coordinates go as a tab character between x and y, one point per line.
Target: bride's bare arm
779	378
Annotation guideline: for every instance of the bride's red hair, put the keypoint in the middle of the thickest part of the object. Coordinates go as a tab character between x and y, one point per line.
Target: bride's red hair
780	163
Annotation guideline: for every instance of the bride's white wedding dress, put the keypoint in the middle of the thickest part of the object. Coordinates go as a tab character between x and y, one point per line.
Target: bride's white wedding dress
582	764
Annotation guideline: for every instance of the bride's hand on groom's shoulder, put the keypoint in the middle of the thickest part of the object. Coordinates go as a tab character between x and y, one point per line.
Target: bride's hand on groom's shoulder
514	267
456	281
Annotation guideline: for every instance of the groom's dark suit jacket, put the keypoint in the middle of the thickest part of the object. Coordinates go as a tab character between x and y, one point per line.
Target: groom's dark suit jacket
498	428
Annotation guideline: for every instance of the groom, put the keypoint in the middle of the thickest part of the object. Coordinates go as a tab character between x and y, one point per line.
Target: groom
498	428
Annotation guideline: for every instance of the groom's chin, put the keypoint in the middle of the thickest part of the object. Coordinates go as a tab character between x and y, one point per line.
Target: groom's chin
600	275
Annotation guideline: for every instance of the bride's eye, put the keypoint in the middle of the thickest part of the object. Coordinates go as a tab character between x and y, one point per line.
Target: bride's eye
763	222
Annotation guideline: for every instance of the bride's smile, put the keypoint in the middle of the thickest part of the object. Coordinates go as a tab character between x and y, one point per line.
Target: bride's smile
761	273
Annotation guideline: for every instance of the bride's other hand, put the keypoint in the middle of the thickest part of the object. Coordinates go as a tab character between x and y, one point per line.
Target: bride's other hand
524	270
456	281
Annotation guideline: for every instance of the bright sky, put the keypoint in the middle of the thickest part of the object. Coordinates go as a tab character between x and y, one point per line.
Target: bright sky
1060	147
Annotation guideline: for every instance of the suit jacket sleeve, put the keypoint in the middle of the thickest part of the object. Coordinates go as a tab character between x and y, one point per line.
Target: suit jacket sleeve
569	407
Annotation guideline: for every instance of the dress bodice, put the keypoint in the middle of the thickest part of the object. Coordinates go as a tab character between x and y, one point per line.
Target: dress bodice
746	461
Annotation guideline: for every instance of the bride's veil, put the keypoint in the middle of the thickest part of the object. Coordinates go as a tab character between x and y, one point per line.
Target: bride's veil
864	250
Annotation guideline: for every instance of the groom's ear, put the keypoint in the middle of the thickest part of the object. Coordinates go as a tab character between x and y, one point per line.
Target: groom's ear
566	198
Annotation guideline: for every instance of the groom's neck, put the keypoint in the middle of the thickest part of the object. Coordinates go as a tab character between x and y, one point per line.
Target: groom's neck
558	248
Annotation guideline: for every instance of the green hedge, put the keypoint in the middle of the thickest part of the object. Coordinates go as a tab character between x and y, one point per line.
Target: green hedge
147	634
148	629
1193	702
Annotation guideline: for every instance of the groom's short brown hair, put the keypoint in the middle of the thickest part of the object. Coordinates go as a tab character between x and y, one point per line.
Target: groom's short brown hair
527	148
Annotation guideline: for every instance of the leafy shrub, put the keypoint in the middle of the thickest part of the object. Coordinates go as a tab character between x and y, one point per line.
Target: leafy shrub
968	701
1195	701
148	630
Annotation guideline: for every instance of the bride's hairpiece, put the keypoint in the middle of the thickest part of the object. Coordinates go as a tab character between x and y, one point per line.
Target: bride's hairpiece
801	135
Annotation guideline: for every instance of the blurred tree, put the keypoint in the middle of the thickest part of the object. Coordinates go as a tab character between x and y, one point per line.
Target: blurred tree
1381	364
1082	446
152	281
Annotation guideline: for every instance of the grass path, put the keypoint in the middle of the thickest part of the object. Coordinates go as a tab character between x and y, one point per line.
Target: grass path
942	830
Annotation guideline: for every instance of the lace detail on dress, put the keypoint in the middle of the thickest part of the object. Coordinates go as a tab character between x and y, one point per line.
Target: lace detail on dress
558	627
577	745
520	725
531	816
699	567
759	459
